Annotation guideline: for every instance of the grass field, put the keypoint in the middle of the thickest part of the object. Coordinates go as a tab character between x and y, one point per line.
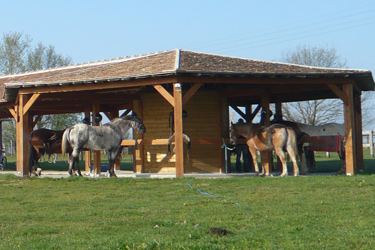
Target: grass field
316	212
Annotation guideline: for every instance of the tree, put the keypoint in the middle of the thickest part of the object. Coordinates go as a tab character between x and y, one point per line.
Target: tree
13	48
317	111
18	55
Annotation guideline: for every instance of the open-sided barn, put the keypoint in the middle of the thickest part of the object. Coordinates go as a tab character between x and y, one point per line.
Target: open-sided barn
163	84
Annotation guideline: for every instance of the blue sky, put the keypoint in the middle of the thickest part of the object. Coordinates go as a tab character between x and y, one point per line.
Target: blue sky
96	30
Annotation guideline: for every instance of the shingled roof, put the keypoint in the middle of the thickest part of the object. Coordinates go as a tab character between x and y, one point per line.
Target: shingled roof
173	62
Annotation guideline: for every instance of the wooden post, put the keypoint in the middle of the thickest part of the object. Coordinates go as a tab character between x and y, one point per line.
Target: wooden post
97	158
358	126
138	153
350	135
224	131
22	136
279	115
88	165
266	158
113	115
371	142
177	94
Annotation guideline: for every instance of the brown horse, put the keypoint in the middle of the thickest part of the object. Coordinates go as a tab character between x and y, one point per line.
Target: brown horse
43	141
265	139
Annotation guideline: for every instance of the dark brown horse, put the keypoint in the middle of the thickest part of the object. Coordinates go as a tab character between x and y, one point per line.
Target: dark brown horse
43	142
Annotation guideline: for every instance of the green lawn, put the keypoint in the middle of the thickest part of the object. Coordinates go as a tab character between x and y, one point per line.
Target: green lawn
317	212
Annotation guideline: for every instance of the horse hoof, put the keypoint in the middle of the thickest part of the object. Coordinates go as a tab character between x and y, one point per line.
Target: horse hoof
284	175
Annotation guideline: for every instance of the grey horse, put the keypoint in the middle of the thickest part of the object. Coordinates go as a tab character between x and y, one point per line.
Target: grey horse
107	137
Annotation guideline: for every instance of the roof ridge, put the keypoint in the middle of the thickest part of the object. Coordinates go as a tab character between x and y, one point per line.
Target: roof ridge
89	64
178	58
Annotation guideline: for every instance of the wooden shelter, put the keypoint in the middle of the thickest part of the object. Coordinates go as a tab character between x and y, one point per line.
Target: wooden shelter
170	82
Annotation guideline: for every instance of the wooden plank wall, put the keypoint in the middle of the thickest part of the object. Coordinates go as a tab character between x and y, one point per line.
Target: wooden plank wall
202	122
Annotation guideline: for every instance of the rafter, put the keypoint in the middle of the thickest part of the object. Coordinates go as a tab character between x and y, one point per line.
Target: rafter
167	96
339	93
30	102
189	94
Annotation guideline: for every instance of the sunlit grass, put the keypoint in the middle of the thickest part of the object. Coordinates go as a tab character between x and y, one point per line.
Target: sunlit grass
318	212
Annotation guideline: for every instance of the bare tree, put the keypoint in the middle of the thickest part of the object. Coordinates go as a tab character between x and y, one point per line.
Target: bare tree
316	111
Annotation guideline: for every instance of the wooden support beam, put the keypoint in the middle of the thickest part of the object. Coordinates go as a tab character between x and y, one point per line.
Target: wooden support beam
177	93
30	102
248	112
35	121
267	159
239	111
256	111
13	113
22	131
88	166
139	152
191	92
340	94
127	111
350	135
279	116
167	96
97	157
358	126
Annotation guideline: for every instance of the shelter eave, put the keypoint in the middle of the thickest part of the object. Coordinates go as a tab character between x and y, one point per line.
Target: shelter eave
363	79
12	88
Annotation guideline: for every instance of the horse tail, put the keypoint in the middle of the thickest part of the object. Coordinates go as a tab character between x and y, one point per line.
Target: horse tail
188	143
64	142
292	140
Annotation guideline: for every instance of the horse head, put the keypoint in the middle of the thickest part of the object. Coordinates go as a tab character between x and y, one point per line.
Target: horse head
135	122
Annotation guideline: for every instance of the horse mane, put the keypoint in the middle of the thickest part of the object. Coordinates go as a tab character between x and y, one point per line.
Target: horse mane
119	122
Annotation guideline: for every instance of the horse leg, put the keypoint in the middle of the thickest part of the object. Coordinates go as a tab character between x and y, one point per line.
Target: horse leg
342	158
302	156
280	153
293	157
78	168
74	159
112	166
263	158
253	153
112	156
71	164
33	159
